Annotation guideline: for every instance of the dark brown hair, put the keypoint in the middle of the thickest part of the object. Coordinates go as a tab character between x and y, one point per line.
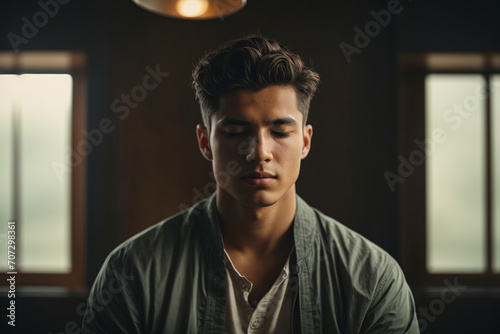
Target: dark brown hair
251	62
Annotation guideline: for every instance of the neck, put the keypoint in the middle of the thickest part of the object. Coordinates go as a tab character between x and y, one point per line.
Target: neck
257	230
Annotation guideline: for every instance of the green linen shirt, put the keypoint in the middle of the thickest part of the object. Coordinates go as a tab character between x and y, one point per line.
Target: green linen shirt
171	278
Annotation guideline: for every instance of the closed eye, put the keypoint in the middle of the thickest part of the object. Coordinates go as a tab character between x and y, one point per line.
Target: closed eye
280	134
228	134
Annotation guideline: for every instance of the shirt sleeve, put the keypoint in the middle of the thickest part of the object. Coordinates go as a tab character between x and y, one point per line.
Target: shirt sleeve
392	309
112	303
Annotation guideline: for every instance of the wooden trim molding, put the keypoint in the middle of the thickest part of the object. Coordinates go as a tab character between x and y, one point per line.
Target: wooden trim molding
413	69
73	63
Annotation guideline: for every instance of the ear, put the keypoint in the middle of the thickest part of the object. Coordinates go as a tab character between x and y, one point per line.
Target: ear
204	141
308	132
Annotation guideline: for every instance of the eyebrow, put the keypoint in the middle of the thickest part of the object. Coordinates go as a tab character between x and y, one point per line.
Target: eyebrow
239	122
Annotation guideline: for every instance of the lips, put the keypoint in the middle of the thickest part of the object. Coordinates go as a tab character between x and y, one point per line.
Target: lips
259	178
258	175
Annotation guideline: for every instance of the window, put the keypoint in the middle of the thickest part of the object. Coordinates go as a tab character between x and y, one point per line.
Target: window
42	112
449	168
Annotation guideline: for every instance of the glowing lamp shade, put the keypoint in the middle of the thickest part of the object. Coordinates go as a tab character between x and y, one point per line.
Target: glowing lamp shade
192	9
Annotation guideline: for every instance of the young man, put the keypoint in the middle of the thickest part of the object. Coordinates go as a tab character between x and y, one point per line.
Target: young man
254	257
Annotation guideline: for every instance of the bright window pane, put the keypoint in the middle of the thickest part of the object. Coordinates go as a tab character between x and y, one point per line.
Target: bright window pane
44	132
455	178
495	115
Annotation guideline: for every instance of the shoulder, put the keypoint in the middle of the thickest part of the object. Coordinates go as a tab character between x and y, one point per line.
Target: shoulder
351	254
137	275
162	239
366	280
332	234
351	245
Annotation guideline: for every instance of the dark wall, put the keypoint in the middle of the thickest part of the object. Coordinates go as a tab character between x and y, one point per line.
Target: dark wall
149	166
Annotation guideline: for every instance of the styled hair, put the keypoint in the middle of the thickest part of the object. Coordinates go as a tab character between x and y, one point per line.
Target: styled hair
251	62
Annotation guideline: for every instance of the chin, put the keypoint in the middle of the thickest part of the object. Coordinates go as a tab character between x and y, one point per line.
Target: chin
259	200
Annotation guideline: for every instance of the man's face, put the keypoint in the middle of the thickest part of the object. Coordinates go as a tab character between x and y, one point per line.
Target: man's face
256	143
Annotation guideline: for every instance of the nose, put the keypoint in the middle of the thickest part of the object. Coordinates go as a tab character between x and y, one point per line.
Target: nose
259	149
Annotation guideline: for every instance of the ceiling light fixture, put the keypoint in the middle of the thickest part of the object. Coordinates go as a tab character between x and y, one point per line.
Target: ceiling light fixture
192	9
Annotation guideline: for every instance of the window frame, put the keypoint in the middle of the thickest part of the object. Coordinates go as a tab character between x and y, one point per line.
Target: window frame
413	70
73	63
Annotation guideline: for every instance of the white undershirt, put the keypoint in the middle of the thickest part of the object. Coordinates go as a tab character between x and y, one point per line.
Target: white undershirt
272	314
